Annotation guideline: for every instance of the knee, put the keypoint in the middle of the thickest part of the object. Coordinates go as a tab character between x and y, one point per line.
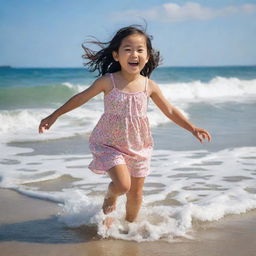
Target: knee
124	187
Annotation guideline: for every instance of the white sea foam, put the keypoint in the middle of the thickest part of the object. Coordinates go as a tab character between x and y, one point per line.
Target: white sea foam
22	124
219	88
183	186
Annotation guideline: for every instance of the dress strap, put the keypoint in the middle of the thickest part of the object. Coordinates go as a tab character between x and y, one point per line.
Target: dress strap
112	79
146	84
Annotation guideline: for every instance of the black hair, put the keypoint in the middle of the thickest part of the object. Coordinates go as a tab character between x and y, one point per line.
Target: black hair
103	60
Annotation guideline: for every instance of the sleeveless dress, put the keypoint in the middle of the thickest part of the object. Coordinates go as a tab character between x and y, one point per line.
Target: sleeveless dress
122	134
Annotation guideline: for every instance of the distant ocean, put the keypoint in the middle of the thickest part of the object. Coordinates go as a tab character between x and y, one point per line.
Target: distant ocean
188	181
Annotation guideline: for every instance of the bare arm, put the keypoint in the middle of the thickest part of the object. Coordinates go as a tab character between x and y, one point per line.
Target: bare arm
76	101
174	114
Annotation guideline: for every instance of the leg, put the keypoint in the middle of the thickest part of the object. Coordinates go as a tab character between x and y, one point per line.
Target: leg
120	184
134	198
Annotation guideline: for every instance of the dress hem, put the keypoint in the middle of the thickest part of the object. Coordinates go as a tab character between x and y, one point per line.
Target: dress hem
105	171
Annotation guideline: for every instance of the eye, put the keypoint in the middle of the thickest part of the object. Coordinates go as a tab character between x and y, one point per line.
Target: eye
141	50
127	49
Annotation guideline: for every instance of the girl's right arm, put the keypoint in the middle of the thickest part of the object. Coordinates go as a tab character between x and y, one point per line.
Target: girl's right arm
77	100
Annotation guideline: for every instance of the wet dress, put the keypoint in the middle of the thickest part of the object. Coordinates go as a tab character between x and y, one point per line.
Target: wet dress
122	134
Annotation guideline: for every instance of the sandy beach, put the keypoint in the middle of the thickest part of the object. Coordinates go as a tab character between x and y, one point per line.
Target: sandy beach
29	226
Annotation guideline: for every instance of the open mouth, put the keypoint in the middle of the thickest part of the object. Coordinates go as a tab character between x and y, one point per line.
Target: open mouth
134	64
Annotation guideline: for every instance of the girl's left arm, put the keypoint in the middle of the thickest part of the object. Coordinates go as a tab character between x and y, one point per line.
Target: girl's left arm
174	114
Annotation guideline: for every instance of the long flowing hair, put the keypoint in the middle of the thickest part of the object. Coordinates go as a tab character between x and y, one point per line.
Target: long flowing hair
103	61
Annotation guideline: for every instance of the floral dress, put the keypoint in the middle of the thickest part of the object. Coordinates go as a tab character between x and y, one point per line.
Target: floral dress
122	135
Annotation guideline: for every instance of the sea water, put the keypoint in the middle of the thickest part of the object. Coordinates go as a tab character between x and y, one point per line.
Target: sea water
188	183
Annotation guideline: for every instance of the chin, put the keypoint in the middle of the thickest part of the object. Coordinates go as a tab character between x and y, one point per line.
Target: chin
137	69
134	72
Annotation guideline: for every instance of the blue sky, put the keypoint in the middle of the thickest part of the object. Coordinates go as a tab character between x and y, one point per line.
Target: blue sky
49	33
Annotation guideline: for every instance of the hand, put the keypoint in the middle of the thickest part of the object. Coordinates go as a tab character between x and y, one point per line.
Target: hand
201	134
46	123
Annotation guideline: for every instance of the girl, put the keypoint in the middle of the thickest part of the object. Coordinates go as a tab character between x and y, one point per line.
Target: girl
121	142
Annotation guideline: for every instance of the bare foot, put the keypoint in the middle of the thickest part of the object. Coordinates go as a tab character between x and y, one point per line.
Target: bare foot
109	204
108	222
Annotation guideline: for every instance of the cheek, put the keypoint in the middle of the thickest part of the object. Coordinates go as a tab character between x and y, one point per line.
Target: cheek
145	57
124	57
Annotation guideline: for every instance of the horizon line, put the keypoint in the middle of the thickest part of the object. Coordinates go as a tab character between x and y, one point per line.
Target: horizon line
169	66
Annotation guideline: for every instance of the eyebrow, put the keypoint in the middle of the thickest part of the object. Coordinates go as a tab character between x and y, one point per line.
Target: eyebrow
128	45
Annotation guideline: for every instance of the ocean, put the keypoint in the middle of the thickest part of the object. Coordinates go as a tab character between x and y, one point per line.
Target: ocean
189	183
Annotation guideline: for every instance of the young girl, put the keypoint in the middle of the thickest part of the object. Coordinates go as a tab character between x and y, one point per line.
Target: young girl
121	143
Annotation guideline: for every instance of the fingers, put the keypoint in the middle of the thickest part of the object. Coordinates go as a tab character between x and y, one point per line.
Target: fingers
43	126
202	135
206	135
46	123
199	137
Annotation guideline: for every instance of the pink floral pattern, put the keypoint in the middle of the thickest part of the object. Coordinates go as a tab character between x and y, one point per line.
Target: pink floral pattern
122	135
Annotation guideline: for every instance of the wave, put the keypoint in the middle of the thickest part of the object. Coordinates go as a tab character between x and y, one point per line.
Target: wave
22	124
39	96
219	88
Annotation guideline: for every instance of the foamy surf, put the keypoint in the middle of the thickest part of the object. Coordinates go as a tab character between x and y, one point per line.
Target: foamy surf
217	89
221	88
154	223
20	123
184	187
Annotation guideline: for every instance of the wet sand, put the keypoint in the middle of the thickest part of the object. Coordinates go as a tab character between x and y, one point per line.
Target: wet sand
29	226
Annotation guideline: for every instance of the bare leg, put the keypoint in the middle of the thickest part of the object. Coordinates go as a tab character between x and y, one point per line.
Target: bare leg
134	198
120	184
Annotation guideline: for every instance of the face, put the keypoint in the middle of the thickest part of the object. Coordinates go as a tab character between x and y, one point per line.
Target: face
132	53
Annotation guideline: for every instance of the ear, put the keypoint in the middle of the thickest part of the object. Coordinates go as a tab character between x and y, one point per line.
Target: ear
115	55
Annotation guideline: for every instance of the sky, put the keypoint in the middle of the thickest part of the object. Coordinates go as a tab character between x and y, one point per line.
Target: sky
49	33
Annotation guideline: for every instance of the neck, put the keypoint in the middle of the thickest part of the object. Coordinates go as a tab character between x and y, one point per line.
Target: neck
129	77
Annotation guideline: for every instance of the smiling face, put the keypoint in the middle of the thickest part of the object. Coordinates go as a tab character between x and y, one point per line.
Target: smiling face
132	53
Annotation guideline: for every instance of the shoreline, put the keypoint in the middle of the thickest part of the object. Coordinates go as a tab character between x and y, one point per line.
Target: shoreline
29	226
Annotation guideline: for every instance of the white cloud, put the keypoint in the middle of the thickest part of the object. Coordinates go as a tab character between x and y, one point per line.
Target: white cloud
171	12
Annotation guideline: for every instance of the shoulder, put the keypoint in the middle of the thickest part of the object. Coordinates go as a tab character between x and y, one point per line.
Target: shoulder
102	80
153	88
103	83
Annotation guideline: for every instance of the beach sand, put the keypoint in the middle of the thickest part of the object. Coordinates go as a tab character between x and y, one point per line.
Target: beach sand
29	226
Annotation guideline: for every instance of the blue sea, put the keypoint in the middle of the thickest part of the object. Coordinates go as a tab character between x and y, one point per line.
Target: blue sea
188	181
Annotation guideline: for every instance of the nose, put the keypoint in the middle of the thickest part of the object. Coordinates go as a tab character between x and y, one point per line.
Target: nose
134	53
